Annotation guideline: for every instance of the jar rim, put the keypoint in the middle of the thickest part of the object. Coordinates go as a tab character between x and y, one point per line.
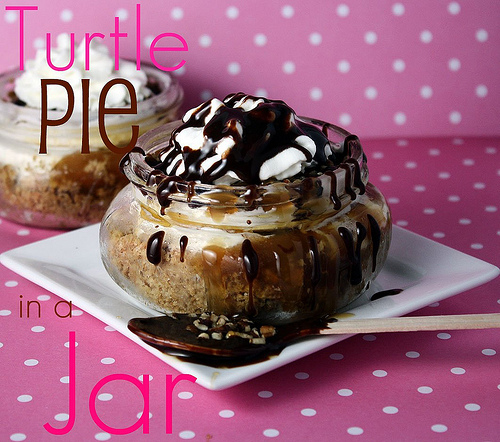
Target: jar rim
341	184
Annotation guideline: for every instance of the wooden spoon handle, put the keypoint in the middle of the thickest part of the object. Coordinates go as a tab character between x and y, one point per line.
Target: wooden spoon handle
413	323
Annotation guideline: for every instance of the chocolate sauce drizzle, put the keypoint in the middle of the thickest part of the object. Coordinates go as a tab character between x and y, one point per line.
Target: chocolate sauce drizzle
153	249
251	266
183	242
354	250
384	293
268	129
376	235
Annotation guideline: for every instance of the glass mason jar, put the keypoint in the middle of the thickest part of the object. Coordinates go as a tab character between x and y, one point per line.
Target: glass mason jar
65	188
277	252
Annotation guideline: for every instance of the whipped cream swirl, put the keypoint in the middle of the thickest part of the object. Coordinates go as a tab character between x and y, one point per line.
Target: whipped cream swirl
244	140
28	85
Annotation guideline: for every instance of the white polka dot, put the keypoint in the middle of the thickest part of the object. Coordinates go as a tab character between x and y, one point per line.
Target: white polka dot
479	186
476	246
185	395
11	16
434	304
434	152
464	221
206	95
315	38
444	175
102	436
109	328
426	92
342	10
187	434
426	36
39	43
23	232
105	397
371	93
260	92
481	90
180	72
454	8
66	344
287	11
377	155
370	37
489	352
31	362
141	377
64	380
454	64
66	15
336	356
288	67
453	198
107	361
400	118
344	392
233	68
61	417
438	235
139	415
271	432
309	412
472	407
412	354
458	141
226	413
316	94
5	312
390	410
411	165
393	200
402	223
490	209
343	66
260	39
402	143
38	328
345	119
1	344
443	336
17	437
490	150
355	431
379	373
385	178
25	398
205	41
398	9
122	14
177	13
419	188
455	117
232	12
370	338
398	65
481	35
11	283
148	40
302	375
43	297
439	428
429	211
76	312
458	370
425	390
264	394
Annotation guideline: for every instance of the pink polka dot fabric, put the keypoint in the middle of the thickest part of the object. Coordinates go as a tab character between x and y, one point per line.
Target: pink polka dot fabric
391	68
418	83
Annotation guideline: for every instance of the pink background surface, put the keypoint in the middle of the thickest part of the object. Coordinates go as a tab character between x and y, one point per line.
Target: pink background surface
443	185
386	68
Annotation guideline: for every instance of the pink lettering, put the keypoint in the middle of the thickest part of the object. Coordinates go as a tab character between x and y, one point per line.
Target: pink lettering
153	49
88	39
116	35
21	10
168	397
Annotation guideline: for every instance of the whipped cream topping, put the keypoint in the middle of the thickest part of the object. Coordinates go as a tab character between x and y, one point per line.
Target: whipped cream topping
245	140
28	85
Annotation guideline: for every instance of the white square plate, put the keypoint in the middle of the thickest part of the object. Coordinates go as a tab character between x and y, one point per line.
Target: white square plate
70	266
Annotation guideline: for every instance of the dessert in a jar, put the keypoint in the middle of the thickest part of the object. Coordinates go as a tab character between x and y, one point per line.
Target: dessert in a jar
65	188
243	207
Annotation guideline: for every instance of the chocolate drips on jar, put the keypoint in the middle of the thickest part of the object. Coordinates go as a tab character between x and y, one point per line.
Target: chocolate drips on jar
153	249
354	250
183	242
251	266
